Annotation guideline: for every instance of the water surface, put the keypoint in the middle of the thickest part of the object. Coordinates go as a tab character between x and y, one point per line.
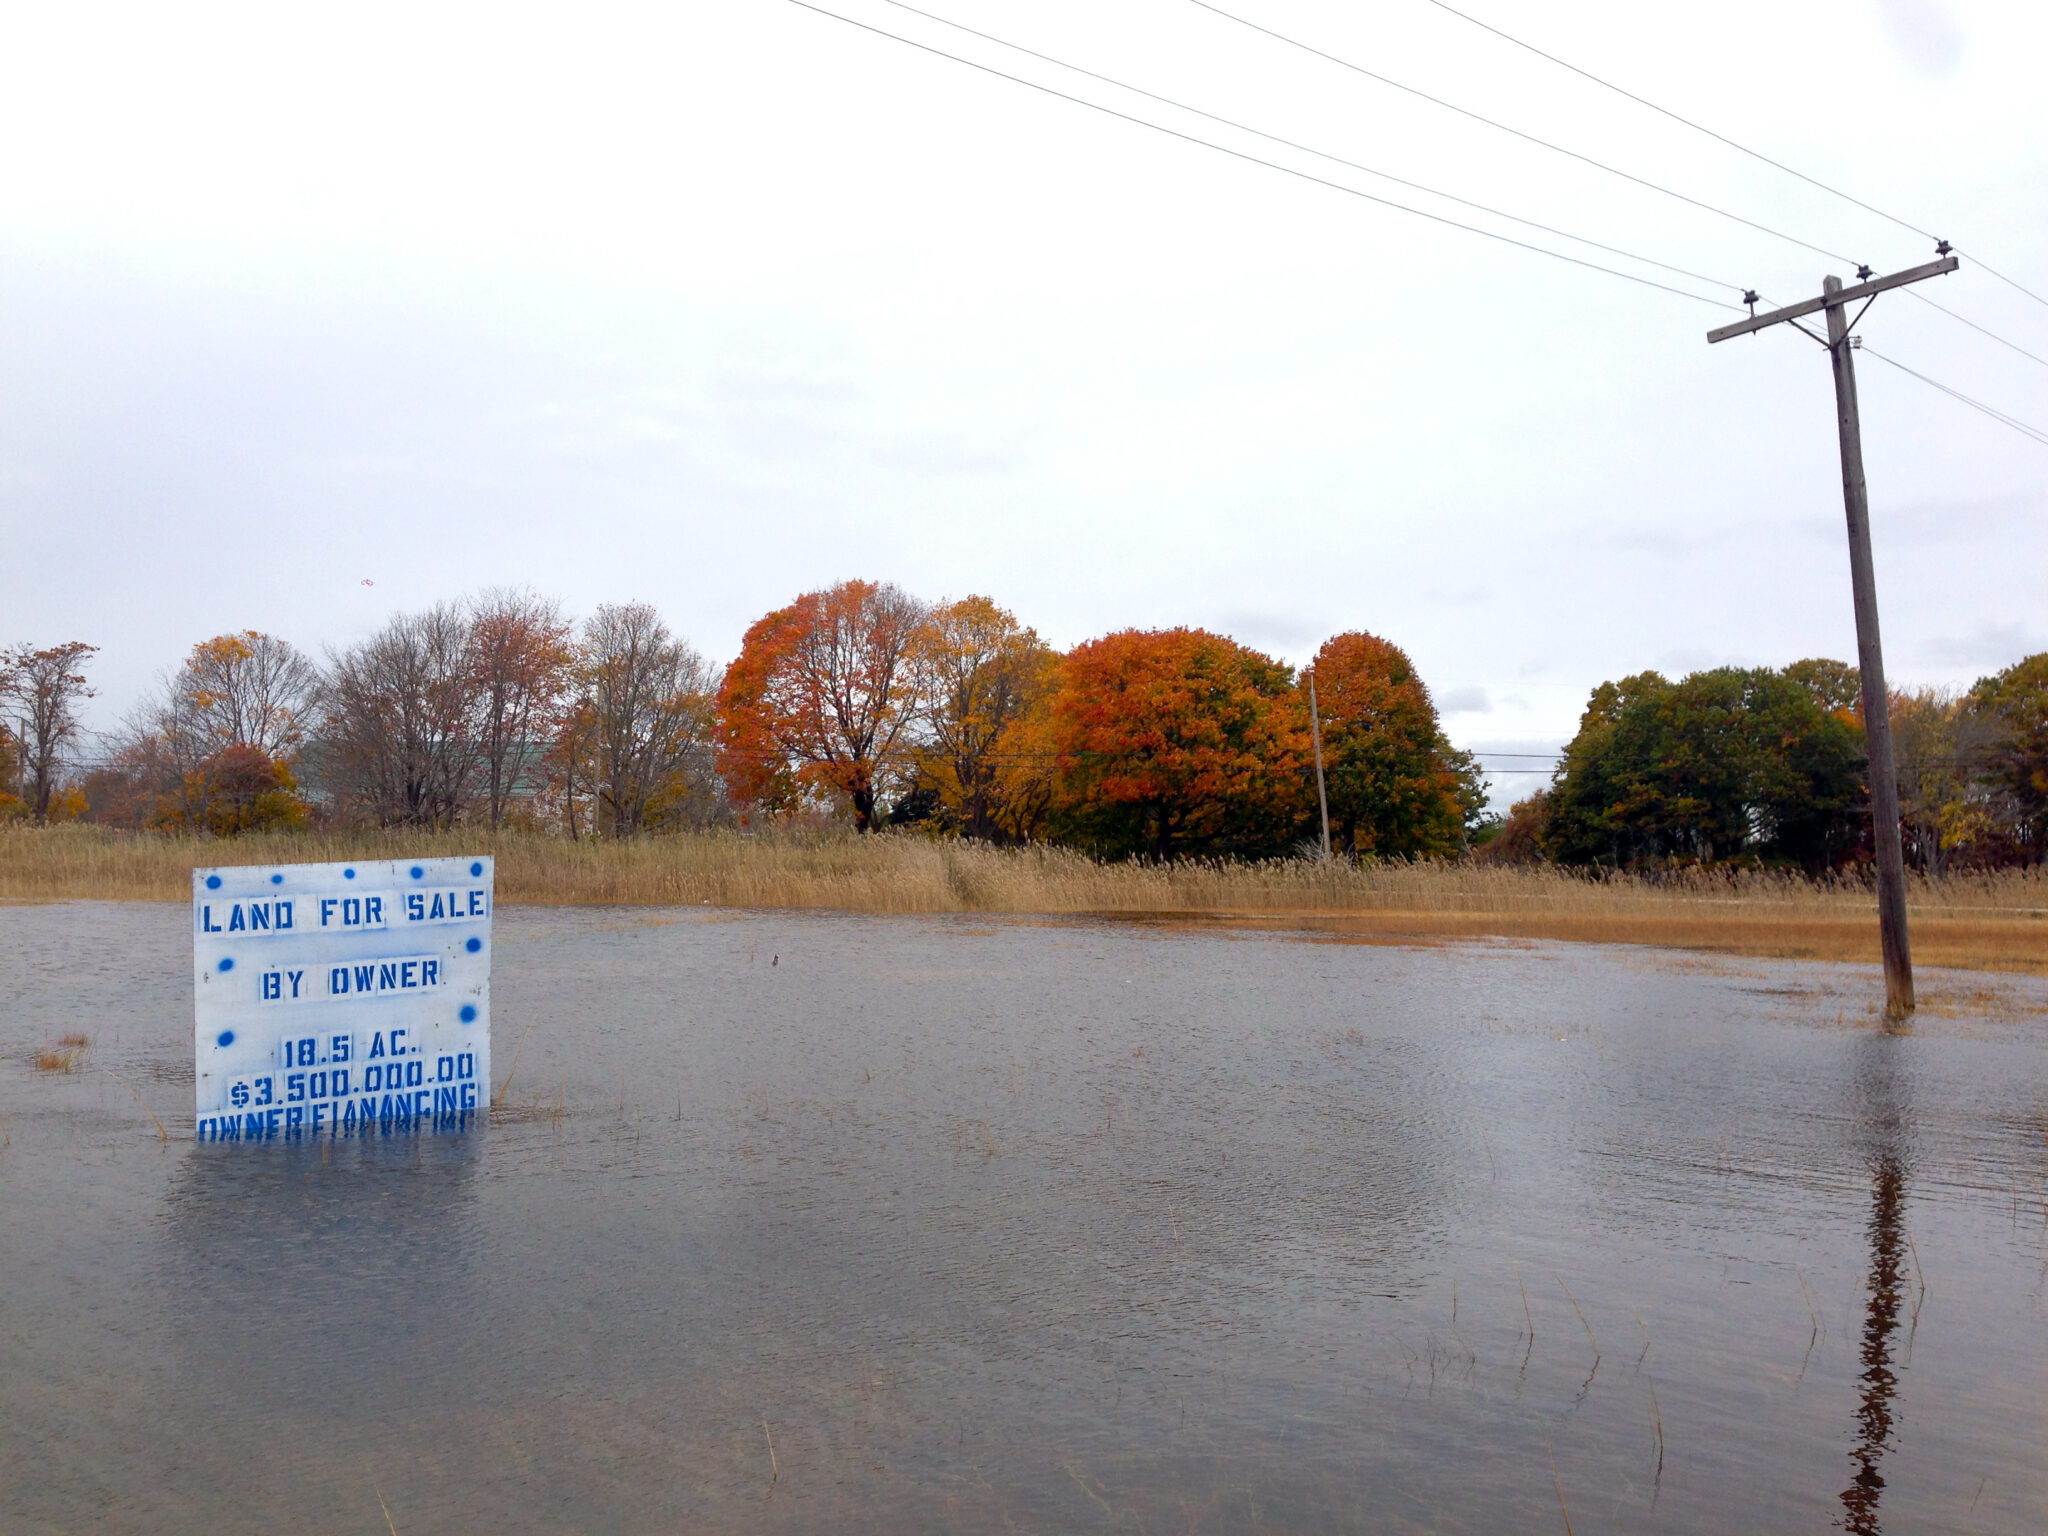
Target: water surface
808	1222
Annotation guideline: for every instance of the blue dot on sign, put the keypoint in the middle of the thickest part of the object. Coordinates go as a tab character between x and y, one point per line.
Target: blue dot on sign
213	882
227	962
476	869
474	945
468	1013
277	879
348	874
417	871
225	1037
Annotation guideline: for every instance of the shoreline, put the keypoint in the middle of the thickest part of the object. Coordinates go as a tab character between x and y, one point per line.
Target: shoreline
1983	922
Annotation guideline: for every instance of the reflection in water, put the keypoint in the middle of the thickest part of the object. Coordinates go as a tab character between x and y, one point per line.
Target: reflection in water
346	1260
1879	1380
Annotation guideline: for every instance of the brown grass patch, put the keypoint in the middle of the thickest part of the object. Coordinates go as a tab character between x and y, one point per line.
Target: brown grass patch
1985	922
67	1055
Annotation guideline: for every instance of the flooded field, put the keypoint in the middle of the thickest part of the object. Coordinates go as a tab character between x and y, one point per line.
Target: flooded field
812	1222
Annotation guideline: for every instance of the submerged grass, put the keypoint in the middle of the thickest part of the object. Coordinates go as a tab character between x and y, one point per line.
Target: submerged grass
1993	921
67	1055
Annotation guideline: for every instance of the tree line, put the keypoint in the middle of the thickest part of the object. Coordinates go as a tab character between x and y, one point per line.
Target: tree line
858	703
863	705
1766	767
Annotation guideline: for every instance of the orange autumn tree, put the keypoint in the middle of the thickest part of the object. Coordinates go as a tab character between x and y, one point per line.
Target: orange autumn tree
238	789
1177	742
519	654
819	704
1398	789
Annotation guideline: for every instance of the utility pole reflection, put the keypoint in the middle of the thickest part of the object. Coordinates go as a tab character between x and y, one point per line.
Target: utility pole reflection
1879	1382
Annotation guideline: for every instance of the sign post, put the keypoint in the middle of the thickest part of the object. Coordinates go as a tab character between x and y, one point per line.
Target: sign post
341	998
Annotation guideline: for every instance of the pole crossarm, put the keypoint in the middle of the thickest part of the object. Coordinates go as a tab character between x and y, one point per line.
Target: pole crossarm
1848	295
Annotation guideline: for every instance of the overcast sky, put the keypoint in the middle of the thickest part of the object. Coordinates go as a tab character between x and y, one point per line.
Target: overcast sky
312	315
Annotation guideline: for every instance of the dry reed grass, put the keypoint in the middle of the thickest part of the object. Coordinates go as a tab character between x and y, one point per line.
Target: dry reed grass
1995	921
67	1055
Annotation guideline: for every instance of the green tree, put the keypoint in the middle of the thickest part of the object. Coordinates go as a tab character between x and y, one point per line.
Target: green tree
1949	800
1724	764
1398	789
2016	702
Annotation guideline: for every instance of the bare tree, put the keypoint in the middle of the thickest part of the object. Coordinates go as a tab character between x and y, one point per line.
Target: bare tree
238	701
399	717
519	657
649	702
249	690
45	688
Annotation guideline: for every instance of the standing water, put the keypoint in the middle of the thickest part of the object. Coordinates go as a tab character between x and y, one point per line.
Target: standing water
818	1222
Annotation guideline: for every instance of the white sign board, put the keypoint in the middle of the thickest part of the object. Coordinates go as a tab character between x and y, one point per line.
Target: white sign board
341	998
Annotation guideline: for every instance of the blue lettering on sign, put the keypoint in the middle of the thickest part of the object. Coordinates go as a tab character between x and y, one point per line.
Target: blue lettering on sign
267	915
375	978
279	1080
351	912
462	905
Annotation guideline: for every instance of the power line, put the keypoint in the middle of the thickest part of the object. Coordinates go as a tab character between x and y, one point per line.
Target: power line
1979	261
1271	165
1476	117
1973	325
1723	138
2021	427
1274	138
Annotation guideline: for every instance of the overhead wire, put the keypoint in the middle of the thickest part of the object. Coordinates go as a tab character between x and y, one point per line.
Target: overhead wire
1477	117
1914	293
2025	429
1676	117
1754	154
1662	111
1307	149
1271	165
2003	418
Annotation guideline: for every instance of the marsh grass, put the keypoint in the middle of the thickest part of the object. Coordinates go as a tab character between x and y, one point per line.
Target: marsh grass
1993	921
67	1055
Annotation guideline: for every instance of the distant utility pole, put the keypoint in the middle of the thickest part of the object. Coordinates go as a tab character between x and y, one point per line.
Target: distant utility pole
1315	725
1877	717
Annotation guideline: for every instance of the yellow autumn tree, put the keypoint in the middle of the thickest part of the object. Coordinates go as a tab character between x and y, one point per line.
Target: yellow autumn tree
979	677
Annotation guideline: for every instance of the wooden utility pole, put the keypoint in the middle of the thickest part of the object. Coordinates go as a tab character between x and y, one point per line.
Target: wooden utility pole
1877	719
1315	725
